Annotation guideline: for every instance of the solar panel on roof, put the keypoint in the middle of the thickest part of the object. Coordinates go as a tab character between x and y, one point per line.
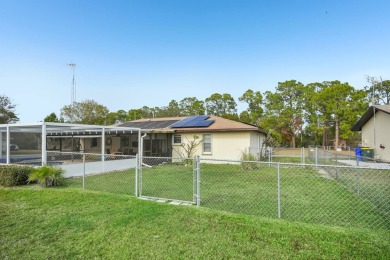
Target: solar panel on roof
181	123
193	121
203	123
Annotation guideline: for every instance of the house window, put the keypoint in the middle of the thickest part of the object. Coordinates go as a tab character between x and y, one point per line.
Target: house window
94	142
207	143
177	139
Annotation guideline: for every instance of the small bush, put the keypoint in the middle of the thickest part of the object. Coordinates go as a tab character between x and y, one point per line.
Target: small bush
13	175
249	161
48	176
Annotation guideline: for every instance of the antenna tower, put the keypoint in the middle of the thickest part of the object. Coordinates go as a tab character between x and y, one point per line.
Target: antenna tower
373	82
73	88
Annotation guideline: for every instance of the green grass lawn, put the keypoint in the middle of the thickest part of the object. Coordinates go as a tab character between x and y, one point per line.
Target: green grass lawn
66	223
306	196
119	182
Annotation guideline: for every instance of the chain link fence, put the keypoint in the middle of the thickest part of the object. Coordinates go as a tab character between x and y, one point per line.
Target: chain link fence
168	179
113	173
310	155
337	195
313	155
334	195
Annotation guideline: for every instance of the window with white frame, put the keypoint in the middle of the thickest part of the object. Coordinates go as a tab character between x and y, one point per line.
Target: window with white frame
207	143
177	139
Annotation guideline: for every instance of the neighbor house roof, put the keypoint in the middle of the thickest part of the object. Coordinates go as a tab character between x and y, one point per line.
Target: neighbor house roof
369	114
218	124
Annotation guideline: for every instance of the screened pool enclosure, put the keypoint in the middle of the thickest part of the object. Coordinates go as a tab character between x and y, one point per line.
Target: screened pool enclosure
36	144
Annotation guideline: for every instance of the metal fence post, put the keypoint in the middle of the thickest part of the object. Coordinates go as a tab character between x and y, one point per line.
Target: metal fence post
136	174
194	178
198	181
140	175
83	171
316	159
279	209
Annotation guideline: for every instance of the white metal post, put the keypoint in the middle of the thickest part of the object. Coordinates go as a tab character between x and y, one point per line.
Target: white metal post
7	148
43	145
140	175
103	147
83	171
316	159
140	141
136	173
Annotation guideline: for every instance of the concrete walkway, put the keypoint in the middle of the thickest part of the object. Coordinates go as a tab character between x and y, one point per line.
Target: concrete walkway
374	165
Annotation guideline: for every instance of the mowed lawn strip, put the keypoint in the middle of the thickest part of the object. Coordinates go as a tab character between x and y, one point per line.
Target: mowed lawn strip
70	223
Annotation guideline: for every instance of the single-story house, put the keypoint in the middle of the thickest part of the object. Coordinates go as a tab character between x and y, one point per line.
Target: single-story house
210	137
375	127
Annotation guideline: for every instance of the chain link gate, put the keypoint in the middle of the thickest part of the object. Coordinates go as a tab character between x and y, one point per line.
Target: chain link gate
166	179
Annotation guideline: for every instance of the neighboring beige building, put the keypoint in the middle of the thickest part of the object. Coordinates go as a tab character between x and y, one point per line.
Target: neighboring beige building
375	127
214	137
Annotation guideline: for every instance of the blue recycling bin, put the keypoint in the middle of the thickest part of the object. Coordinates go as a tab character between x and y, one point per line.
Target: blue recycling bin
359	154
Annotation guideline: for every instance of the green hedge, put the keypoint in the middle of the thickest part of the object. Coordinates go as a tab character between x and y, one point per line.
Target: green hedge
13	175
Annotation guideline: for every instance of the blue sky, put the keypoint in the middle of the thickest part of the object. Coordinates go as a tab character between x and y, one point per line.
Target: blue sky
135	53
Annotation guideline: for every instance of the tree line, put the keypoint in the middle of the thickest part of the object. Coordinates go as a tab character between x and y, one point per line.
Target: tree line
294	114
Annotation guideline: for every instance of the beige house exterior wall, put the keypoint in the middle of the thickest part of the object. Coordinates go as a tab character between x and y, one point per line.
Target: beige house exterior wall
382	135
224	145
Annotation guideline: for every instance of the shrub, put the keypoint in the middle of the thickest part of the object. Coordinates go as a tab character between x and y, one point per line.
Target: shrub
249	161
13	175
48	176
